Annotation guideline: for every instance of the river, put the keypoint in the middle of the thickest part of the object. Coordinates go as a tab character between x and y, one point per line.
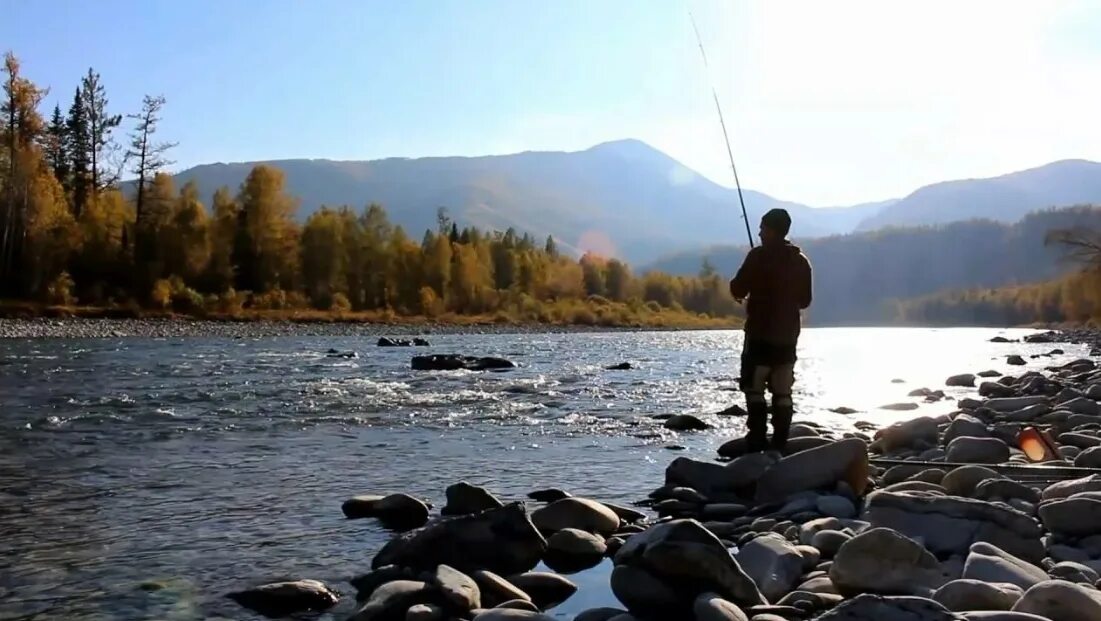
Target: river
145	478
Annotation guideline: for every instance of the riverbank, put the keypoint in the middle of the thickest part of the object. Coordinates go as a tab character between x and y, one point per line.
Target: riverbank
935	518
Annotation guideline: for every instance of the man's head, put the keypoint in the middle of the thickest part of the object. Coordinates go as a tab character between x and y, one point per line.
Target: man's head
775	226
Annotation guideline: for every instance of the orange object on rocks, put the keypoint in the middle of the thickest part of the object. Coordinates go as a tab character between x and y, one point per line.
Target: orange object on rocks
1037	444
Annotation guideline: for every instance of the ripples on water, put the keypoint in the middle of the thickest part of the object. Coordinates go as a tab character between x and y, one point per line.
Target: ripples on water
191	467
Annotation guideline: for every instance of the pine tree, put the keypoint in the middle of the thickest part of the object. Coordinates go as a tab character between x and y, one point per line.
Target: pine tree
149	156
100	126
76	131
551	247
57	147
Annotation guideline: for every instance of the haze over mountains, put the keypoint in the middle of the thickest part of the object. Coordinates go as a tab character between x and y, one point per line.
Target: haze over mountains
630	200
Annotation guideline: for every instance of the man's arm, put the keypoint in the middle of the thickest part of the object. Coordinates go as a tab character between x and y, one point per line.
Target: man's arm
741	284
805	282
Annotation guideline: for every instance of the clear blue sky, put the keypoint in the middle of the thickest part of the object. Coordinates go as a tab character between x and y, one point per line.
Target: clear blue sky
828	103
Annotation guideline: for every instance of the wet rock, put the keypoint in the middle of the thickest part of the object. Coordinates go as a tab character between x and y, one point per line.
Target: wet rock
905	434
962	595
386	341
453	362
996	390
1081	440
843	410
686	556
886	562
280	599
545	589
1064	489
495	590
1089	458
989	373
1077	516
904	406
1001	339
464	498
1075	572
393	599
773	563
1015	360
580	513
949	524
965	425
966	380
549	495
1013	404
396	510
640	591
1061	601
622	366
711	607
332	353
572	550
902	472
366	584
425	612
458	589
822	467
503	540
1082	405
971	450
879	608
990	564
962	481
836	506
626	515
685	422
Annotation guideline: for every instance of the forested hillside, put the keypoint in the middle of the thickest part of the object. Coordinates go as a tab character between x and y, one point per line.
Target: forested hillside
860	278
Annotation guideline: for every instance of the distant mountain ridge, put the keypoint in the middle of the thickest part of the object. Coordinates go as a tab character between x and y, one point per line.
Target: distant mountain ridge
625	198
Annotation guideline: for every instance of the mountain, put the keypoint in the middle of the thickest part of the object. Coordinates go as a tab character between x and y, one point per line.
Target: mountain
621	198
859	278
1007	198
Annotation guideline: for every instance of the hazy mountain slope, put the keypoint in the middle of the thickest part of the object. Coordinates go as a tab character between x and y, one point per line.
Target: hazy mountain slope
1006	198
857	276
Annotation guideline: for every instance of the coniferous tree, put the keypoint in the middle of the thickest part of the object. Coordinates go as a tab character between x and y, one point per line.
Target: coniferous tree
79	149
100	125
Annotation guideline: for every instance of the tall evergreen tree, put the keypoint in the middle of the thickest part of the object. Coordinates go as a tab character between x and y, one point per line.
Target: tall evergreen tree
76	131
149	156
57	147
101	125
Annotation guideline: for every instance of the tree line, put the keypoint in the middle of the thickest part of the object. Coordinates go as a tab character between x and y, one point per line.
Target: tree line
74	233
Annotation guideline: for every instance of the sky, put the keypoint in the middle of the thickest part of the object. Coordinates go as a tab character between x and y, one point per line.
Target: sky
827	103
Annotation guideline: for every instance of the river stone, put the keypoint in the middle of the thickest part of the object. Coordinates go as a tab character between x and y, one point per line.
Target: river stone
773	563
685	555
972	450
454	362
1081	440
949	525
1015	360
906	434
836	506
685	422
1075	572
990	564
930	475
425	612
828	542
962	481
965	425
509	614
393	599
1064	489
459	590
502	540
884	561
1007	489
546	590
280	599
963	380
822	467
723	511
963	595
397	510
996	390
495	590
580	513
711	607
464	498
640	591
1013	404
798	445
599	614
1059	600
574	543
1000	615
1089	458
1082	405
869	607
902	472
367	583
626	515
916	486
1077	516
550	494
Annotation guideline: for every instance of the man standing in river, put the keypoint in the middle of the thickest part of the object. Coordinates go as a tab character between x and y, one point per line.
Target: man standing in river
775	283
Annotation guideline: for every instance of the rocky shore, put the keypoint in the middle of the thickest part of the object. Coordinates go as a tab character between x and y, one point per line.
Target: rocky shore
76	327
932	519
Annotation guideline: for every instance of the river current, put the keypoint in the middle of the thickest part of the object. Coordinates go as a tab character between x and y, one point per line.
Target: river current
145	478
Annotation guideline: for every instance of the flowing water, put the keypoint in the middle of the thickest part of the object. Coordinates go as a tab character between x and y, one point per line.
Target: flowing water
145	478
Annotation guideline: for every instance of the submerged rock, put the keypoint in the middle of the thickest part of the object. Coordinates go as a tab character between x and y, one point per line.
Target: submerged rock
386	341
280	599
396	510
453	362
965	380
622	366
686	422
502	540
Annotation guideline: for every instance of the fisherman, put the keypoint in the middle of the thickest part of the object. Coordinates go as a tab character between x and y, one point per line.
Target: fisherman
775	283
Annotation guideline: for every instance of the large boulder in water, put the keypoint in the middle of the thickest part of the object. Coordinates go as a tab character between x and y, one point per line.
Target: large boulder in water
821	467
580	513
396	510
949	525
689	560
454	362
502	540
464	498
280	599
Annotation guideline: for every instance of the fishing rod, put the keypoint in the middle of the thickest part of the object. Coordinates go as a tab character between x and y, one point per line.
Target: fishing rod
722	123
